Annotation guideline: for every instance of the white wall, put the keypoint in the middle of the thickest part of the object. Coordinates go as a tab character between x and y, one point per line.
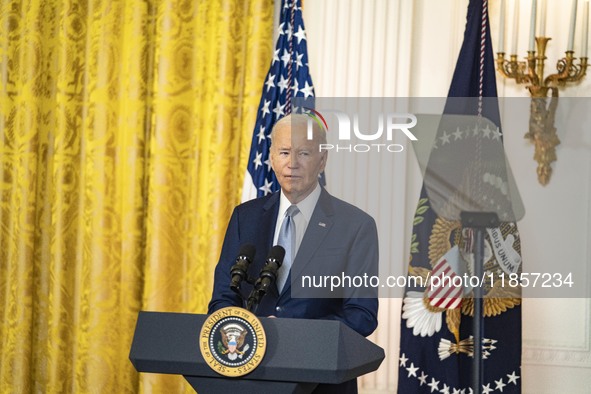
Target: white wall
406	48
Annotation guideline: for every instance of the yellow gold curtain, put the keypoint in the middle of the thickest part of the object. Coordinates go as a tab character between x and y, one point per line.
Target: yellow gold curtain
124	131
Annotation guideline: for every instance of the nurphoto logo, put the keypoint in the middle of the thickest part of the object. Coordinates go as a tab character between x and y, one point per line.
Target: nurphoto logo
349	130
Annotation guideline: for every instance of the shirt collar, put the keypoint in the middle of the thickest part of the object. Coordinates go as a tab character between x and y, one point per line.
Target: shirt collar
306	206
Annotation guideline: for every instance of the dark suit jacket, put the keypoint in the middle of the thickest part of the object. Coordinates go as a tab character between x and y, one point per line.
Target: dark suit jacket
339	237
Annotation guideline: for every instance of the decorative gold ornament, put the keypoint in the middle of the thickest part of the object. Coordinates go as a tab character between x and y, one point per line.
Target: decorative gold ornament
542	132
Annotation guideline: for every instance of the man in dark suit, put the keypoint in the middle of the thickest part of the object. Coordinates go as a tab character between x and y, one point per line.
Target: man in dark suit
331	237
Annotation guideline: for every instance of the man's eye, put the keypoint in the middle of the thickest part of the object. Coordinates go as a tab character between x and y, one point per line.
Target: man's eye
304	153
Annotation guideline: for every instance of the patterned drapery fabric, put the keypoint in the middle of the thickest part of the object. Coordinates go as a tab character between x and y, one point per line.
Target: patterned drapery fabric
124	131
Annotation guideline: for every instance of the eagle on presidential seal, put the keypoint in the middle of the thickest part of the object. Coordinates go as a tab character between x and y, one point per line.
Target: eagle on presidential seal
233	337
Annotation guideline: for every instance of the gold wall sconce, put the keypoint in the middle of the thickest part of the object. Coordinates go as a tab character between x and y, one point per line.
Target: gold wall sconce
543	89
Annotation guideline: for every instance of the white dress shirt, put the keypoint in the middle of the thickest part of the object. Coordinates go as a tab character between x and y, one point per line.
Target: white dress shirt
301	220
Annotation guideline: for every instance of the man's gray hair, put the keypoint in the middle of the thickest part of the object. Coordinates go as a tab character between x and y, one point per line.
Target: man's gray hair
301	120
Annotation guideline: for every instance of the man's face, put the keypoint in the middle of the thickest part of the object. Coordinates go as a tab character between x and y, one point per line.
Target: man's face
296	160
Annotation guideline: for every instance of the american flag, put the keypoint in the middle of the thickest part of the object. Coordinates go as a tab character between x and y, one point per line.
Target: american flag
288	77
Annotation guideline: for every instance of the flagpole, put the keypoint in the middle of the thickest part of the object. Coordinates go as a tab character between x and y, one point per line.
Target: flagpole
291	32
478	220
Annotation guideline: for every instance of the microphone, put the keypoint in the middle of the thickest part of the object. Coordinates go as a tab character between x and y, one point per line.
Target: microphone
266	278
268	274
240	268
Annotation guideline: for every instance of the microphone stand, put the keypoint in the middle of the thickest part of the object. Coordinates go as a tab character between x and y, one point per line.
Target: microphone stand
266	278
254	298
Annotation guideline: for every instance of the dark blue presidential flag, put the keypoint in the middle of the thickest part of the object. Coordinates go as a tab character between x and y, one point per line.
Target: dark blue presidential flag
436	347
288	77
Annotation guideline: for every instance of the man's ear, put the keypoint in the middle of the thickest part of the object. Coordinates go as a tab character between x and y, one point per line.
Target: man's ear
323	158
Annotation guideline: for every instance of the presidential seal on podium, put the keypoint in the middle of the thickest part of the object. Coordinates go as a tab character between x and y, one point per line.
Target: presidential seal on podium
232	341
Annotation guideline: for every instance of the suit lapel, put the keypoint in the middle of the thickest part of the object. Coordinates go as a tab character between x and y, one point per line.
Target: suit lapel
318	227
268	221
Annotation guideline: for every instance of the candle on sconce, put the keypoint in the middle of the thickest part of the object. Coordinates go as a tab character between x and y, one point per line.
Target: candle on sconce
502	28
532	26
571	32
542	18
585	29
515	26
